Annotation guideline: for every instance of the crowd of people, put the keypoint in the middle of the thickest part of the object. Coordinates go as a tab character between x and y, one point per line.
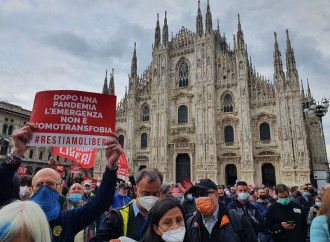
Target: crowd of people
40	209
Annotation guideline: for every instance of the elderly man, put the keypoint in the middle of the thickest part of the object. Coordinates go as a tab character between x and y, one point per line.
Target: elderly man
131	221
46	187
74	200
165	191
213	221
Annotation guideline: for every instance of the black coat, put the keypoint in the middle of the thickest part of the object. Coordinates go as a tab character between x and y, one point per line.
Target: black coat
230	227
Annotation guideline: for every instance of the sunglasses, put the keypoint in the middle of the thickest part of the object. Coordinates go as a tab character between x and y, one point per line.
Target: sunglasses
203	194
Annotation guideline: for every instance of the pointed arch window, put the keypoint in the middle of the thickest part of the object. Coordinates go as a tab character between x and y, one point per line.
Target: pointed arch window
121	141
264	132
228	104
183	75
229	134
183	114
145	113
144	141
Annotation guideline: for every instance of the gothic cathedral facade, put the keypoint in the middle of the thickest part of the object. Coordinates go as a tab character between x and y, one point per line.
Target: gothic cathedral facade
200	110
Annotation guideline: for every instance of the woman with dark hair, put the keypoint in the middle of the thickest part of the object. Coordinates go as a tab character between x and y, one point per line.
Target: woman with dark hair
314	210
167	223
321	224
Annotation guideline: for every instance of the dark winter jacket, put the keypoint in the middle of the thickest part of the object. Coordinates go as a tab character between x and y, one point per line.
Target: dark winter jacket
278	213
70	222
224	200
9	181
189	207
251	213
261	207
230	227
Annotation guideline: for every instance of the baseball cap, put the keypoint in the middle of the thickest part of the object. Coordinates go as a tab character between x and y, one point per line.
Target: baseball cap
123	186
203	184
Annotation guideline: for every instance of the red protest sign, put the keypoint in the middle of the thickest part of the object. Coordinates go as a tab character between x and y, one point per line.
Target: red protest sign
122	159
186	184
122	170
75	168
73	119
21	171
93	181
60	170
122	166
176	192
84	156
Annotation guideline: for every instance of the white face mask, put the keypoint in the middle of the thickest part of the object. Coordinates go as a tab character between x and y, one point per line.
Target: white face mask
24	191
148	202
174	235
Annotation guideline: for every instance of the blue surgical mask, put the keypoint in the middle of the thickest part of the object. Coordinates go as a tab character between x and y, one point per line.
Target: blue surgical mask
75	197
319	192
318	204
87	191
243	196
46	198
190	197
123	194
306	193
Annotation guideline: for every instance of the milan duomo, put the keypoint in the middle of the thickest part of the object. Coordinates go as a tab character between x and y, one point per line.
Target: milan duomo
201	110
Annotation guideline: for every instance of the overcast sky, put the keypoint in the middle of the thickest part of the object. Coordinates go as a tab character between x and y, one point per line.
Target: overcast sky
69	44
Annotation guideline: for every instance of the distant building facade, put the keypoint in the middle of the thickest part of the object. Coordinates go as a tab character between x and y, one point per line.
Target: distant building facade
200	110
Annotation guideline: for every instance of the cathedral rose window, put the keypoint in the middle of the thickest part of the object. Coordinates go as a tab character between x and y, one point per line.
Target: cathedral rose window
183	75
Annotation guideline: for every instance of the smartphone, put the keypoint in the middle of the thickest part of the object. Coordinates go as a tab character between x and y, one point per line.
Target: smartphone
290	222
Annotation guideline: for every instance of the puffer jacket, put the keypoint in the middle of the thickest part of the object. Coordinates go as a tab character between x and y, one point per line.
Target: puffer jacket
319	229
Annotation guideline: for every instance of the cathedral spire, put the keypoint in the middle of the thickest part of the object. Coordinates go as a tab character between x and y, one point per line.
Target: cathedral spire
240	36
234	40
134	63
165	31
208	19
302	89
111	90
290	60
105	86
218	27
199	20
309	94
157	33
278	66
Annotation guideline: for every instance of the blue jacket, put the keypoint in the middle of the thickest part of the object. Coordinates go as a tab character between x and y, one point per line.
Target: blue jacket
261	207
120	201
70	222
319	229
251	213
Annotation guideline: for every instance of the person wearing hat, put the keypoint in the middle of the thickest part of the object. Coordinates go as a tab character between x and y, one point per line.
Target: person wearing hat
213	221
88	191
121	199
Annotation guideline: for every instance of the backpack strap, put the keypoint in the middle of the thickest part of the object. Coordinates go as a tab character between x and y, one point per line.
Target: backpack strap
236	222
124	211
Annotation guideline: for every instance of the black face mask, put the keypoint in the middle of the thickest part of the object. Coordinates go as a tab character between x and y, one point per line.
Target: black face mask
263	197
311	190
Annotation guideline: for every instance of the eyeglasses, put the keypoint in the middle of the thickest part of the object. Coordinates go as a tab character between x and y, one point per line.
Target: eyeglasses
52	185
203	194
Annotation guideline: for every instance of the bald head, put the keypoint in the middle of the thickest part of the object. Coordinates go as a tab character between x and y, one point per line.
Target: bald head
47	175
76	188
